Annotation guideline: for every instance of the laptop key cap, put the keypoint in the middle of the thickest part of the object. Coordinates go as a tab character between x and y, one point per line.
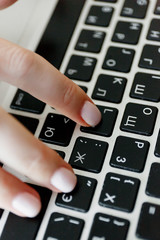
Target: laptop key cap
150	57
25	102
119	192
154	32
146	86
105	127
118	59
109	88
74	200
127	32
107	225
90	41
80	68
139	119
135	8
129	154
62	226
88	154
57	129
148	225
99	16
152	188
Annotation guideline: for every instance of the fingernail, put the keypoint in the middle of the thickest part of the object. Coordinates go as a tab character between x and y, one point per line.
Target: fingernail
90	114
27	204
64	180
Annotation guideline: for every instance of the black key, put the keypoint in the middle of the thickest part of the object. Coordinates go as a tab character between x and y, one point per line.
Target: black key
109	88
139	119
157	8
152	188
157	148
90	41
56	37
30	123
129	154
118	59
88	154
26	228
107	225
127	32
119	192
148	225
74	200
62	226
105	127
154	32
57	129
150	57
146	86
25	102
99	16
135	8
80	68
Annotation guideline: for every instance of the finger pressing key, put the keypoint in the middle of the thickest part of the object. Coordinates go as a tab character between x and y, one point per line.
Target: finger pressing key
21	151
32	73
18	197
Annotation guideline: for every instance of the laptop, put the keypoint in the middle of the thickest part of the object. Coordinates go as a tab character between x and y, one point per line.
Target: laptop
111	49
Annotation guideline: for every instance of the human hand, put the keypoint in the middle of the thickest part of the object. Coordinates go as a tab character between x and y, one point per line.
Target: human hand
19	149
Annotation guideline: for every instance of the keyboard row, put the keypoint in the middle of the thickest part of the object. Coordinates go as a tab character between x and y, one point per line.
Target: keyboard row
137	118
117	59
125	32
108	88
58	130
111	197
103	224
101	15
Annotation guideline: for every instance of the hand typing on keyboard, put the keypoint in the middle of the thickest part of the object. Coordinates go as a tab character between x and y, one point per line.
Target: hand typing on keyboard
18	148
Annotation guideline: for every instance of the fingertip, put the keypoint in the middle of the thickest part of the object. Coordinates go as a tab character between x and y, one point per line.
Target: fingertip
90	114
64	180
26	204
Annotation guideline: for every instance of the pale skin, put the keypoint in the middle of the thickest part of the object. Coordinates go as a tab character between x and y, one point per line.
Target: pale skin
19	149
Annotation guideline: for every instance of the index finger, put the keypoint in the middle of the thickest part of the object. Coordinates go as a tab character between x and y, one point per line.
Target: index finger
32	73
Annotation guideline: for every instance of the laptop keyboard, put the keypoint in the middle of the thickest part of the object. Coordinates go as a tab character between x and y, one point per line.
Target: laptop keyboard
112	51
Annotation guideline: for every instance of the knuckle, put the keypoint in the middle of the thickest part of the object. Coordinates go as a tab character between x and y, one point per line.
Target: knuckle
20	62
69	93
36	163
